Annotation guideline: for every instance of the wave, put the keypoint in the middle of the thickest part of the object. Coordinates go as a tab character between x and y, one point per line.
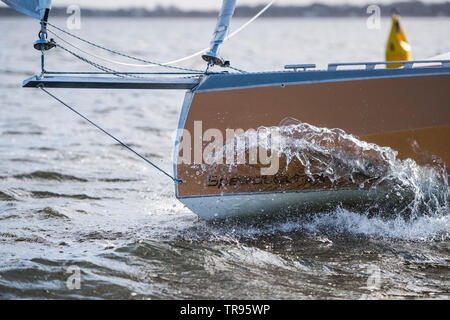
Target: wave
48	175
50	213
47	194
342	221
420	228
19	133
6	197
55	176
318	227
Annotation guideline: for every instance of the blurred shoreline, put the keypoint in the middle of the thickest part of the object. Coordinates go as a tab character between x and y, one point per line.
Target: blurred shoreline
407	8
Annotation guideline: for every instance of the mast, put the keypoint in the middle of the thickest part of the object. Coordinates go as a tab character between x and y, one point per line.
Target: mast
221	31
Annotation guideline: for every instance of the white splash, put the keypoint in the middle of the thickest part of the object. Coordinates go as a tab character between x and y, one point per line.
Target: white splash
344	221
409	190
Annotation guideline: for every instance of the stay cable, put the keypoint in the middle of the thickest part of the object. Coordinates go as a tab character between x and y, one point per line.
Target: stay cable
111	136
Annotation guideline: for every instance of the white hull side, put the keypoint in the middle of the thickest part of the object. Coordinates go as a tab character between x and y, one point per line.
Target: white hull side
270	204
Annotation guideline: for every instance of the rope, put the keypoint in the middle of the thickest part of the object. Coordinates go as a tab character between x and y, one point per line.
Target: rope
245	25
112	71
238	70
106	70
149	63
125	73
95	65
112	61
169	63
111	136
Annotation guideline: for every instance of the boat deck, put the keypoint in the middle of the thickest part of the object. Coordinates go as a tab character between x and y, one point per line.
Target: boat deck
295	74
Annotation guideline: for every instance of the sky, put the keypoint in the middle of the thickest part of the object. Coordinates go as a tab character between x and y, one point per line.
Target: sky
204	4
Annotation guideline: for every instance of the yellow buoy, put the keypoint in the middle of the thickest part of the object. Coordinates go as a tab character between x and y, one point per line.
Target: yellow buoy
398	48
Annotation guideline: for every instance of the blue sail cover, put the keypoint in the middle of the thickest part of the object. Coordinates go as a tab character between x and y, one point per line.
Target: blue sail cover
223	23
32	8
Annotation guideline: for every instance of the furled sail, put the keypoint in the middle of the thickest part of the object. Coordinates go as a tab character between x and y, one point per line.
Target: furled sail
223	22
221	31
32	8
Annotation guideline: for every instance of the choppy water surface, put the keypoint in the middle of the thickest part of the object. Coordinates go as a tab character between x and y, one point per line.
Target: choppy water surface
71	197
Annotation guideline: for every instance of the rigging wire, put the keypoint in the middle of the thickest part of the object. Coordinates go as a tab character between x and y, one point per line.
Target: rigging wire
148	62
236	69
168	64
85	52
112	61
126	73
122	74
111	136
95	65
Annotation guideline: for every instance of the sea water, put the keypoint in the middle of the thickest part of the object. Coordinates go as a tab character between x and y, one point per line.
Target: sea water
82	218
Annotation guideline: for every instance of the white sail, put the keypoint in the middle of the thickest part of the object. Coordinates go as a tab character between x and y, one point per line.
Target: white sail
32	8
